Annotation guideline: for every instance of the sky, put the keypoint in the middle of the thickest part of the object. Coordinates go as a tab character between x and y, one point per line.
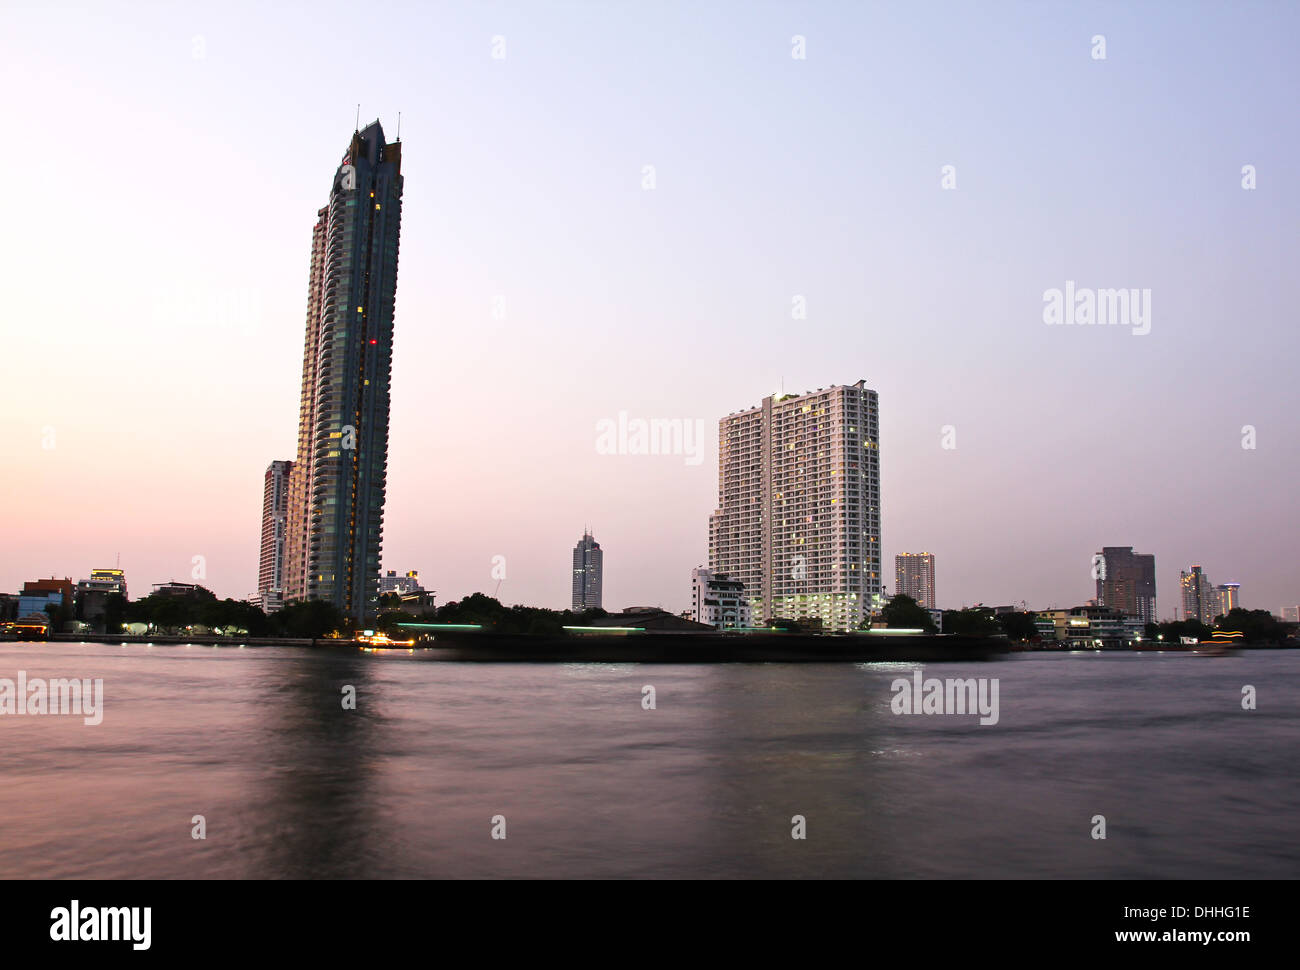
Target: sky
620	208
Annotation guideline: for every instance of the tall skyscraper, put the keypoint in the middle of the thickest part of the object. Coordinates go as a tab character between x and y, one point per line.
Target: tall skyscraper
275	511
1229	597
588	574
914	577
798	517
1126	581
1200	598
337	483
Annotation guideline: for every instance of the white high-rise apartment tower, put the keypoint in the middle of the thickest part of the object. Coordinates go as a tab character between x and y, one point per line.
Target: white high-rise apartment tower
798	517
275	511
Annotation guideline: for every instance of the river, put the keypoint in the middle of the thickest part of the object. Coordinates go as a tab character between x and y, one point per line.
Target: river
583	780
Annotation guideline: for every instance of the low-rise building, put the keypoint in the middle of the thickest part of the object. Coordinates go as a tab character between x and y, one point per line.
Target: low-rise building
1088	627
180	589
40	593
92	594
404	585
719	601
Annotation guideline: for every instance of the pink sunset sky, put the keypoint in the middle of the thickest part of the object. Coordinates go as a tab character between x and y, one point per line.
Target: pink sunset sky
164	167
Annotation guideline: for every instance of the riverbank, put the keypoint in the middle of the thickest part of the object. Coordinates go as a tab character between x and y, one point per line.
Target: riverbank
640	647
669	647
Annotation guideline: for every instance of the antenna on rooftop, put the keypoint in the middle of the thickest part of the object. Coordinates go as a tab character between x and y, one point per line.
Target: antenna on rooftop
358	127
399	126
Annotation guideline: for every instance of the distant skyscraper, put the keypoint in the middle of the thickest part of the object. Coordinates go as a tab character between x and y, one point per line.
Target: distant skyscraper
337	483
275	511
1200	599
914	577
1127	582
1291	614
1229	597
588	574
798	517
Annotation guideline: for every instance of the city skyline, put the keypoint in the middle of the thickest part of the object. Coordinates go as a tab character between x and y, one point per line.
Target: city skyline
150	401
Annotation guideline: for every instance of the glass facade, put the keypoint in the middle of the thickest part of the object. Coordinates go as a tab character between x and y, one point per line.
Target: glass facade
338	482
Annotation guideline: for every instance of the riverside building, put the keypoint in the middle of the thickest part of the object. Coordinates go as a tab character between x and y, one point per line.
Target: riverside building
335	519
798	515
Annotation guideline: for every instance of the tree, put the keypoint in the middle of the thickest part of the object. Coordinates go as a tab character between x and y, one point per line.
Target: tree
490	613
114	612
477	608
977	621
1174	630
1018	626
1258	626
903	612
389	621
544	626
309	619
173	613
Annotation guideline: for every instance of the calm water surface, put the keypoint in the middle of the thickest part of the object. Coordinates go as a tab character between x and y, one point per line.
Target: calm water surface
593	785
